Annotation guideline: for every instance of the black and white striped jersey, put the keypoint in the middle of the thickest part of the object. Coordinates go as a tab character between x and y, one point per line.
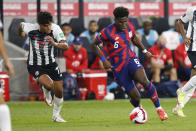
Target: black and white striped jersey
41	52
190	16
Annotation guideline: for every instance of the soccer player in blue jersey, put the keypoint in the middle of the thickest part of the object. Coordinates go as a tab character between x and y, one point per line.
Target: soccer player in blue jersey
124	63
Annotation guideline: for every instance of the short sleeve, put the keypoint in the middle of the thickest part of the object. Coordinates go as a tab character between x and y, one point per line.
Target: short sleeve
58	33
101	37
27	27
188	16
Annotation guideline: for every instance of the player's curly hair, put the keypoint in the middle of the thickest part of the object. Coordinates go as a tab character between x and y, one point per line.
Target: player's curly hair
120	12
44	17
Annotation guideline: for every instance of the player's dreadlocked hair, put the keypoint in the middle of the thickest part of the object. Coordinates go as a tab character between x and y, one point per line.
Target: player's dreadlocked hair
44	18
120	12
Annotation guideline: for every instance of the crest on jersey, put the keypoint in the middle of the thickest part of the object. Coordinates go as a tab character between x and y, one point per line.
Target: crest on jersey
37	73
130	34
117	38
80	56
61	35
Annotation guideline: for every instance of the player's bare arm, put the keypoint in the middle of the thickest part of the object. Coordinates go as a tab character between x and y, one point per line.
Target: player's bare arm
187	41
61	45
21	33
8	64
139	44
106	63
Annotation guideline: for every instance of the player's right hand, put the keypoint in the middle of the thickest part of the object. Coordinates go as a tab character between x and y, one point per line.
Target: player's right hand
10	68
187	42
107	65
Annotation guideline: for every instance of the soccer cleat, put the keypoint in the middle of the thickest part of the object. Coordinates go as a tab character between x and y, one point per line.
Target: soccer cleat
162	114
58	119
178	112
180	98
47	97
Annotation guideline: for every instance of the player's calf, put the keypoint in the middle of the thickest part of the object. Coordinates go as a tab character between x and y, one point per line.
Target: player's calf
47	96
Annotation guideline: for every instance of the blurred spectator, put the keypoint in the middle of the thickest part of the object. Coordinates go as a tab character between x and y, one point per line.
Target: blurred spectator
173	37
147	31
176	29
91	33
76	57
182	63
66	28
162	61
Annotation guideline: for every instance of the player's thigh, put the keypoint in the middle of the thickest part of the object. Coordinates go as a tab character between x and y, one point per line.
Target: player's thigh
46	81
140	76
58	85
1	98
124	80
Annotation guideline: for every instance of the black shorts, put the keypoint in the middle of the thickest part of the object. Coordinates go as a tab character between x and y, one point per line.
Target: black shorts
52	70
192	57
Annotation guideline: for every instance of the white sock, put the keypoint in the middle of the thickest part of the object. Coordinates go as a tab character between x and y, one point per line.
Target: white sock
189	85
58	103
159	108
5	121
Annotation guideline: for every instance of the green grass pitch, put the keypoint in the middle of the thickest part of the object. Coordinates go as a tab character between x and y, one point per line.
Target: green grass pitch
99	116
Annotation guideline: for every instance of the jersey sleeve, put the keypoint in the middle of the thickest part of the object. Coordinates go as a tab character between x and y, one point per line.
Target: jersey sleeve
27	27
101	37
58	33
188	16
132	29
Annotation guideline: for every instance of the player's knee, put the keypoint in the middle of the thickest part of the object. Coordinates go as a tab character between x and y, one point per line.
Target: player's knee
145	82
49	85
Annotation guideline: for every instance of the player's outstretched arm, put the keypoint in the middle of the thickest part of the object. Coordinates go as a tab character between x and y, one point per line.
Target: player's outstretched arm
139	44
3	53
61	45
95	47
21	32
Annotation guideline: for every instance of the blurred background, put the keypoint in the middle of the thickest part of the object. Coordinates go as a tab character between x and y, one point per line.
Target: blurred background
151	19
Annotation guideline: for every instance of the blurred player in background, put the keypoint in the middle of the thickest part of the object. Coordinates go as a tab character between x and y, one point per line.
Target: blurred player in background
5	120
185	93
44	37
125	65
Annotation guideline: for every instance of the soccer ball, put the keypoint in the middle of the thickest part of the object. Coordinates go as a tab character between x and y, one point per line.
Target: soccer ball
138	116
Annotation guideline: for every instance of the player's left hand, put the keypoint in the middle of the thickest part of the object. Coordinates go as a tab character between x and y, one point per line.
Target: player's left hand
148	55
50	40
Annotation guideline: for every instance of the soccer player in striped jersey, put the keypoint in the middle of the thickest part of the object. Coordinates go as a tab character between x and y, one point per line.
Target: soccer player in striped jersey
186	92
44	37
124	63
5	121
